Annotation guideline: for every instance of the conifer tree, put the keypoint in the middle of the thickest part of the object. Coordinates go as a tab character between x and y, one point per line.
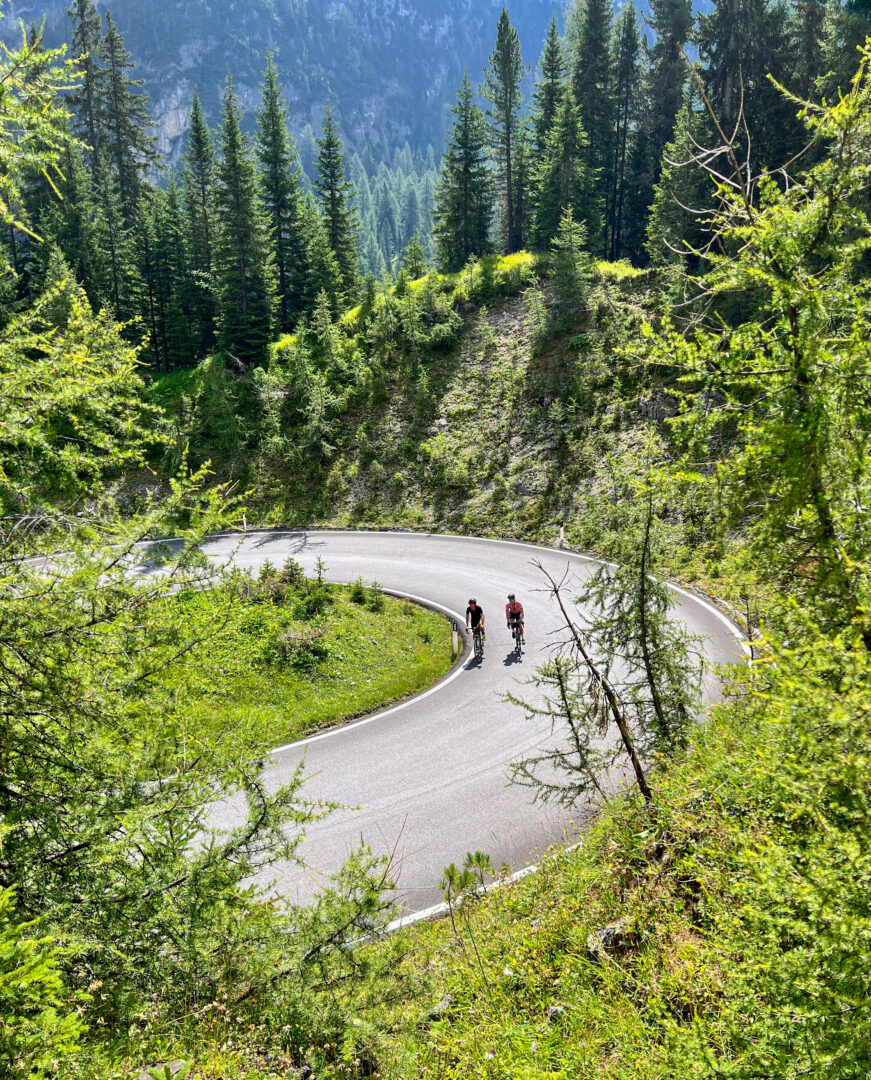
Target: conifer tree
177	288
324	273
847	26
741	43
662	96
128	119
502	79
70	222
524	184
243	267
627	51
414	258
279	179
114	242
572	265
549	88
199	180
88	99
808	32
673	228
464	195
336	198
592	82
671	22
564	180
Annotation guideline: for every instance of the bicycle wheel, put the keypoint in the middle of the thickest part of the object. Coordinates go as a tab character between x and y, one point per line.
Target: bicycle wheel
479	647
518	642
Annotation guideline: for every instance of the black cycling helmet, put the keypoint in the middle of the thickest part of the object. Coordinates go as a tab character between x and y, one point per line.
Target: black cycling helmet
473	601
511	596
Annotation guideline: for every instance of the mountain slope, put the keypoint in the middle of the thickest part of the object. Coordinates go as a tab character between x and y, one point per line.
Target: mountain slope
391	66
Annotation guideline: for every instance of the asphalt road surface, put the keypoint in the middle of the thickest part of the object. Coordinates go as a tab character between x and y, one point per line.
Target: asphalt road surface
427	778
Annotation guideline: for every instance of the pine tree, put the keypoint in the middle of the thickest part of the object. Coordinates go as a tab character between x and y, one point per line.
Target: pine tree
199	180
627	51
525	186
592	82
464	195
324	273
671	22
176	287
564	180
70	222
572	265
279	179
129	143
681	189
741	43
88	99
114	243
808	31
243	267
336	197
662	95
414	258
549	89
847	26
502	78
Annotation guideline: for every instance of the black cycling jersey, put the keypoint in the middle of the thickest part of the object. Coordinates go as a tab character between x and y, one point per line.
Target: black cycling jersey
474	615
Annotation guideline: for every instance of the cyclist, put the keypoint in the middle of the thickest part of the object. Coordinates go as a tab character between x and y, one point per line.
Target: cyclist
514	615
475	618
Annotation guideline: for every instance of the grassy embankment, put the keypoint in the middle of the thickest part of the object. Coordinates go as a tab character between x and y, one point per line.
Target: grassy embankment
739	905
297	659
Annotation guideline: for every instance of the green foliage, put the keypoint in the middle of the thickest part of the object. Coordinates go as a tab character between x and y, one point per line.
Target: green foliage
37	1027
791	413
244	267
464	197
564	180
502	78
572	265
71	399
335	197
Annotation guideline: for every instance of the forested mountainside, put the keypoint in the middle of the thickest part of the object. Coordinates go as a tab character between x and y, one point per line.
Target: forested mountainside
391	67
644	313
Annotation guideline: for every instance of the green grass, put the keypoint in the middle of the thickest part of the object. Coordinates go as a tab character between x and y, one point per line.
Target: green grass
741	900
297	665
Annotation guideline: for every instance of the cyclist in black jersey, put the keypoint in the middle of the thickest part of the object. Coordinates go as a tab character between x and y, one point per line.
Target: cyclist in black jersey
474	617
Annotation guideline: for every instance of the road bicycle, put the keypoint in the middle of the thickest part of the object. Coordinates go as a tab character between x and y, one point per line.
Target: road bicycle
478	642
518	639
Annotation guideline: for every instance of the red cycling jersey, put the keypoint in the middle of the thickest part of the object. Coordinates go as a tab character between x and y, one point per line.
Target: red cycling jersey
515	609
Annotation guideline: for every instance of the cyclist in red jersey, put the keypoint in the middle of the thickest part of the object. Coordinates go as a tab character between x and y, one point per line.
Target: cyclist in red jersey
514	614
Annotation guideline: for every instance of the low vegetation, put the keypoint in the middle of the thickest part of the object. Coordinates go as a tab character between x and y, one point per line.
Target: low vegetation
295	655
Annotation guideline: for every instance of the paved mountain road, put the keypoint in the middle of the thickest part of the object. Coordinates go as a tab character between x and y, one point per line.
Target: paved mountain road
428	777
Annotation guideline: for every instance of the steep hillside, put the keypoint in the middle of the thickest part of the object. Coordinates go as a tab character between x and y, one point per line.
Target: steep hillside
391	66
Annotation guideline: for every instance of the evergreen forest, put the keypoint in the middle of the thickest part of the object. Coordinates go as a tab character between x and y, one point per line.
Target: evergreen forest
623	305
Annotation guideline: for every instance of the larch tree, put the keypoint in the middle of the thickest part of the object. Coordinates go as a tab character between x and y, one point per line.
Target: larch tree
335	196
279	182
464	195
502	78
244	270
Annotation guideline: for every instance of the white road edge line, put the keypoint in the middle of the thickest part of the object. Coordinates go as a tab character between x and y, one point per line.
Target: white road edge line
455	674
